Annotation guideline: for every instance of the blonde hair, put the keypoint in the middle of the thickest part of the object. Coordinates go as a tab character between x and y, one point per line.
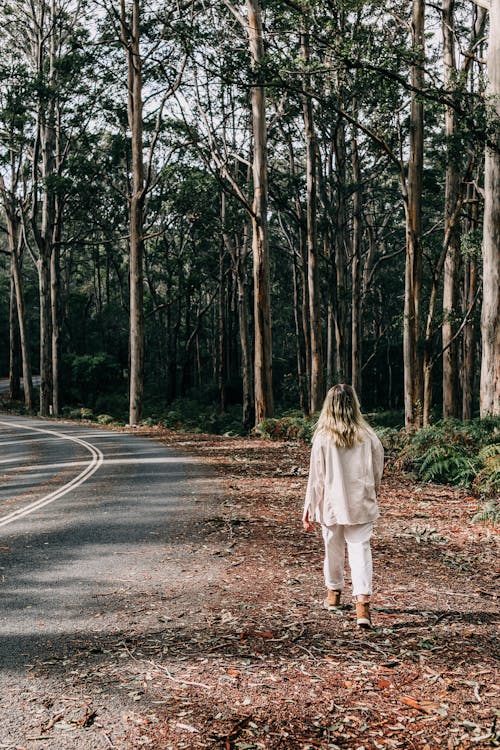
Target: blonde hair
341	417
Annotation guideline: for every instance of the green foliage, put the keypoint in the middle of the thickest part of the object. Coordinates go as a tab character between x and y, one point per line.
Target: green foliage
86	376
105	419
393	418
466	454
392	439
191	415
293	426
79	413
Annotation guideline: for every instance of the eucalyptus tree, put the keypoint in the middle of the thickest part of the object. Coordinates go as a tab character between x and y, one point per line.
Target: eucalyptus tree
155	61
490	314
46	38
14	118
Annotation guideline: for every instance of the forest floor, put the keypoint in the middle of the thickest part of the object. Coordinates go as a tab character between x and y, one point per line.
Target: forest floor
236	652
251	660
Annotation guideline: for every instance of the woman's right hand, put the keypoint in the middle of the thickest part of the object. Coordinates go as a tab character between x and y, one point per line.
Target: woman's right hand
307	524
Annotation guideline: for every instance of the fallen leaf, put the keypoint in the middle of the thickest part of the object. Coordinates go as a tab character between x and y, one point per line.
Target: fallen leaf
414	704
187	727
383	684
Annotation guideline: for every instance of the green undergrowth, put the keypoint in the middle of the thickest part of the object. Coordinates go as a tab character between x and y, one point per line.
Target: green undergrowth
464	454
183	415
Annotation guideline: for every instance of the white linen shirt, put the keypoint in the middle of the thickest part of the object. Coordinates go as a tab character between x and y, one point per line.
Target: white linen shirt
343	482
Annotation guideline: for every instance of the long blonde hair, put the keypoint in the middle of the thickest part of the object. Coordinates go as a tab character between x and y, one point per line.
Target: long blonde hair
341	417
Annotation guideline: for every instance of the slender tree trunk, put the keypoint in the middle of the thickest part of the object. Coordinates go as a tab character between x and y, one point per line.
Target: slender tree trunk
302	291
14	368
131	43
356	340
42	217
45	336
329	253
490	313
244	327
55	317
469	341
29	399
413	207
301	374
260	243
451	224
15	244
341	324
222	328
469	336
312	242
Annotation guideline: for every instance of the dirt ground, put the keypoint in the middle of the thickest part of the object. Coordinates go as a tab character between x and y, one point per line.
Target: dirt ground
236	652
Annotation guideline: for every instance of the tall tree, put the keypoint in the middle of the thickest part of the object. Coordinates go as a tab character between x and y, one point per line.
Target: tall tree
451	218
413	207
263	384
490	313
312	235
130	36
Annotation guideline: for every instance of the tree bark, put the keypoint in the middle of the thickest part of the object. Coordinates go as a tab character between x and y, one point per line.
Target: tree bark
14	368
222	328
469	336
260	242
312	241
356	311
413	206
451	366
45	335
341	317
131	43
15	243
490	313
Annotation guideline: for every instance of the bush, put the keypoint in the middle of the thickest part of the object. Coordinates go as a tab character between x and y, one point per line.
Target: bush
105	419
292	427
466	454
80	412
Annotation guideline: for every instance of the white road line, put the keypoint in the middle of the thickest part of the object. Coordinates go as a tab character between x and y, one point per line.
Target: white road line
91	468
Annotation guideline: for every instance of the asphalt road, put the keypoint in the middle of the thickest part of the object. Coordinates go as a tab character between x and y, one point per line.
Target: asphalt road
102	540
83	511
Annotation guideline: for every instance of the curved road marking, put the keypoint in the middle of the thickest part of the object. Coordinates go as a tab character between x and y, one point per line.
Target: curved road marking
91	468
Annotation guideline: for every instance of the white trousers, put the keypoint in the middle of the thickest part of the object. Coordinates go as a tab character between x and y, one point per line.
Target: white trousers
357	538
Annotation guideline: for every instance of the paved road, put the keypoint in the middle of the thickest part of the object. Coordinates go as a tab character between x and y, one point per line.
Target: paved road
93	524
75	503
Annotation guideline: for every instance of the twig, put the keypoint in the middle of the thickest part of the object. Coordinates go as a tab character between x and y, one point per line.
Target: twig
165	670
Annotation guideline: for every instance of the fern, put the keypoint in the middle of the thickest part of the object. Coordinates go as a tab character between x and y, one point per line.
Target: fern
489	451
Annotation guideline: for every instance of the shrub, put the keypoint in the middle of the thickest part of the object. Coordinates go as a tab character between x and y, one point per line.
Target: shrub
105	419
292	427
80	412
466	454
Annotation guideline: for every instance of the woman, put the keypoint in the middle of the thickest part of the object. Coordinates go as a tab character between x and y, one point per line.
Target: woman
347	461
